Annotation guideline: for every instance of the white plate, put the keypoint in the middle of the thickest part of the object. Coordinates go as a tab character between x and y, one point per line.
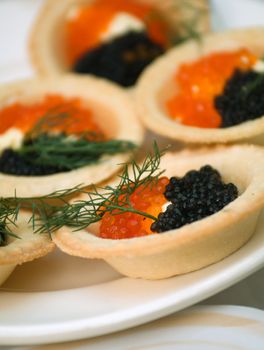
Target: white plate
109	302
200	328
16	17
228	14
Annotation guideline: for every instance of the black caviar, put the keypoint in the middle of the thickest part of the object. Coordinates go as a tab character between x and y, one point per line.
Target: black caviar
242	98
14	163
122	60
193	197
49	154
3	237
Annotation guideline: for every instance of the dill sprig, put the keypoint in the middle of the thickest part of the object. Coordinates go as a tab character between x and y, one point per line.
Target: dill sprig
69	153
188	27
7	217
56	121
42	209
50	121
109	199
52	211
46	145
3	236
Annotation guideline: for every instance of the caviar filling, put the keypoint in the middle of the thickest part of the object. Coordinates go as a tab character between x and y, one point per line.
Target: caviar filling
193	197
3	236
53	113
147	198
13	162
122	60
242	98
201	81
54	153
58	134
198	194
122	57
86	26
62	114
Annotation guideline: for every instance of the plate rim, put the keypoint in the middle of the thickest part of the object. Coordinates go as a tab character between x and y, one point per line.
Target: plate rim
135	315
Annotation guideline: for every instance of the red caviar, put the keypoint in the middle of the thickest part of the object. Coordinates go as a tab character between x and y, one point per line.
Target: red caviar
83	31
149	199
199	82
25	116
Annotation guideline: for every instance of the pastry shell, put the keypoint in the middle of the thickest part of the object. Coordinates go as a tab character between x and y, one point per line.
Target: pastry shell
47	37
30	246
113	113
195	245
156	85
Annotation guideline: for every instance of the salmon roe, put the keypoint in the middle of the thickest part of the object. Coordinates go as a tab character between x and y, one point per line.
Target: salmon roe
83	30
149	199
25	116
199	82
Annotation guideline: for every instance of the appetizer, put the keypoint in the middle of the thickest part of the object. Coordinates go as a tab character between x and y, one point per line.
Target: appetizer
207	91
57	133
113	39
156	223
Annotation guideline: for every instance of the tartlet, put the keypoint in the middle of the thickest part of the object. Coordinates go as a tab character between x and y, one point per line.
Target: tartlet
27	247
112	110
156	85
46	44
192	246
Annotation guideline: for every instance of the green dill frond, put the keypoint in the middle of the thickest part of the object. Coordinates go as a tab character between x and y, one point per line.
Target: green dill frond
193	14
51	212
42	208
47	145
44	144
110	199
69	153
189	16
51	120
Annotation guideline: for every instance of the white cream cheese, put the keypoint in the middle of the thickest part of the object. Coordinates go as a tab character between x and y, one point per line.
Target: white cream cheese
122	23
12	138
259	66
165	206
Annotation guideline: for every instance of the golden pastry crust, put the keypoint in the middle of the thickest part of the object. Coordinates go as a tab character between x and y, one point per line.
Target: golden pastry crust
112	110
156	85
46	40
5	272
31	245
193	246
